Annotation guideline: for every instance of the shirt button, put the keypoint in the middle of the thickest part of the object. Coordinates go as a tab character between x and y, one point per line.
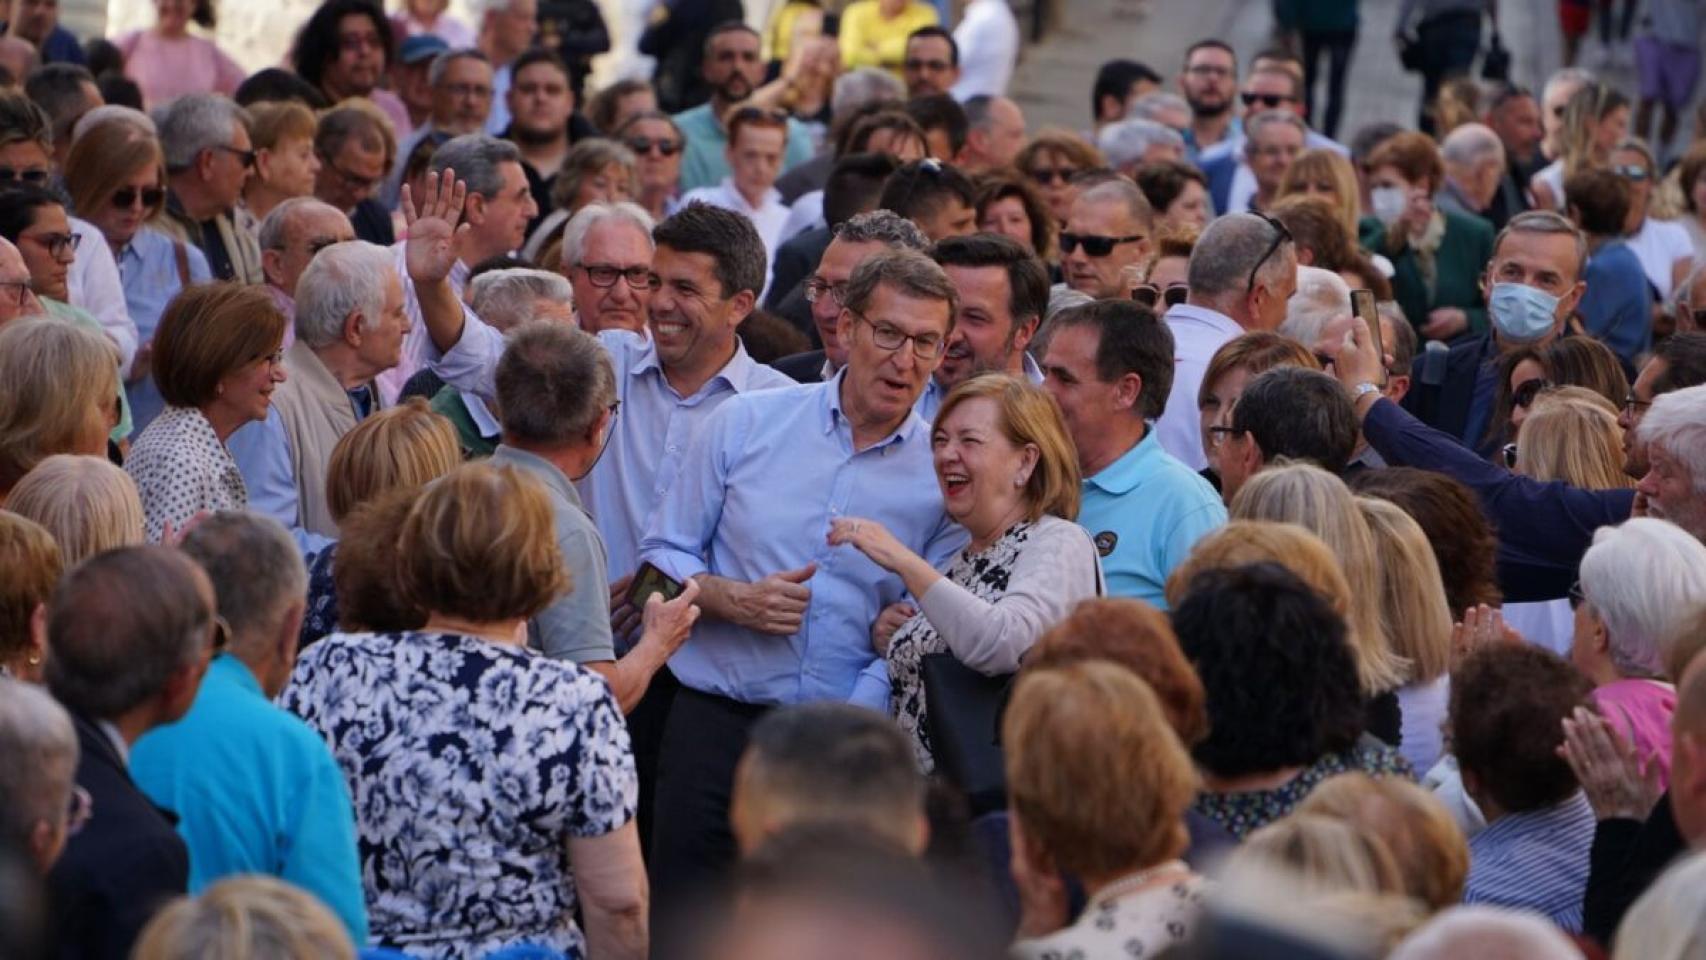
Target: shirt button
672	448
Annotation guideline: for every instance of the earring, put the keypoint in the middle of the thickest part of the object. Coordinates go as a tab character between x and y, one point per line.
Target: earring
219	390
35	660
1019	481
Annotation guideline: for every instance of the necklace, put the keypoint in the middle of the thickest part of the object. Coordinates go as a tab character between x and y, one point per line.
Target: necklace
1141	880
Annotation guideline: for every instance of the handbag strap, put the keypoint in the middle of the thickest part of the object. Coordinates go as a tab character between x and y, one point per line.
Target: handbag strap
181	256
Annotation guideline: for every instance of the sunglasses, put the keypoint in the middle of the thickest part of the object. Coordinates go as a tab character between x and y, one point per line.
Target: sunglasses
1281	236
247	156
8	174
1523	396
1044	176
1150	295
1094	246
1270	101
1631	171
664	148
125	197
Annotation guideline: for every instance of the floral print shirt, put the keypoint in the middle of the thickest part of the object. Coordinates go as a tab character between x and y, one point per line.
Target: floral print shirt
470	763
1244	812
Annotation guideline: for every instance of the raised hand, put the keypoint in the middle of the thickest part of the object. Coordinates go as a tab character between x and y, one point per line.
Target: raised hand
1480	627
430	251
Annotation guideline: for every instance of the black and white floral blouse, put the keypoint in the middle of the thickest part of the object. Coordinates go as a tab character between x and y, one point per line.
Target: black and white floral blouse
988	610
181	469
471	764
1142	924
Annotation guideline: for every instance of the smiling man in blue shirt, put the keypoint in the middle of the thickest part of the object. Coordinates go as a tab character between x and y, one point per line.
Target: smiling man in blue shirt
788	617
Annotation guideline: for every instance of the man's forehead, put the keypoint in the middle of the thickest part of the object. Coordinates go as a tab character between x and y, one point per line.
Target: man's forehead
1540	251
1268	81
618	237
320	222
736	41
929	42
907	312
11	262
841	257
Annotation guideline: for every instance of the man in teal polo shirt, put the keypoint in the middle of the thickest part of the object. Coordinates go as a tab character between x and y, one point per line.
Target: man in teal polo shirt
733	70
255	788
1109	364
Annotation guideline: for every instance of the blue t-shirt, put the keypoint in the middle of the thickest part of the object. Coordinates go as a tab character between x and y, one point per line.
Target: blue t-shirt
1617	306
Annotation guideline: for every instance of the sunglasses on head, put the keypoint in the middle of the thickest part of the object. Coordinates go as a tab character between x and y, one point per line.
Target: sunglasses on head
1150	295
664	148
1094	246
125	197
1270	101
1523	396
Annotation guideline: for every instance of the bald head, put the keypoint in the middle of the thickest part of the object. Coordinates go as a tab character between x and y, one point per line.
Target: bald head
1688	754
293	232
18	57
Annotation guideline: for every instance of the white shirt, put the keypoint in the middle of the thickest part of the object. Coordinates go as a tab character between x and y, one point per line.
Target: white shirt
1197	333
416	340
94	285
1658	245
769	216
498	120
988	38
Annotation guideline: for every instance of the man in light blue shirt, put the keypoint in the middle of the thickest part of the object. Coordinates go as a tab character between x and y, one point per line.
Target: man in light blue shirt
787	618
256	789
733	70
1003	291
1143	508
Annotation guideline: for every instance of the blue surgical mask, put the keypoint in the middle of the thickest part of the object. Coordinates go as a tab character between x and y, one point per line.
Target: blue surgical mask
1521	313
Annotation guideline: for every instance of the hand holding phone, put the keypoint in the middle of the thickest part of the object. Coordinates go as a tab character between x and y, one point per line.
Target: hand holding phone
1362	304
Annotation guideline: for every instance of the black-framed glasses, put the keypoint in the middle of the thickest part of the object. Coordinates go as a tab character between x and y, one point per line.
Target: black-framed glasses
1269	101
926	346
1577	597
125	198
352	181
817	288
59	244
664	146
33	175
22	286
247	156
604	275
1525	392
1631	403
1152	296
1094	246
1282	236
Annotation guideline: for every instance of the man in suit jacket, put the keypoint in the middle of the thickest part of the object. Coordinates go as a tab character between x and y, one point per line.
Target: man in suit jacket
132	631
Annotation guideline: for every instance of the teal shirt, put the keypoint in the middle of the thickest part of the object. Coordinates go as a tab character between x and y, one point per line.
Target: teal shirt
1145	511
256	791
703	163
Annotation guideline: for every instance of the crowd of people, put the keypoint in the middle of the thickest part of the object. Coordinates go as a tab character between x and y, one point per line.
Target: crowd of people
793	506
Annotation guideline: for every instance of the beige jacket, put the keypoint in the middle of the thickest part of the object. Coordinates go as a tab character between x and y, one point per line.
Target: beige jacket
317	412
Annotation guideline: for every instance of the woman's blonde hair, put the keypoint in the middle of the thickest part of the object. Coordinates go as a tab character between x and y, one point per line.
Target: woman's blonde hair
1324	854
32	562
1413	608
1096	775
87	503
1572	435
1583	113
250	917
406	446
52	374
1027	416
1243	542
1321	165
273	123
1426	843
1307	495
107	155
481	545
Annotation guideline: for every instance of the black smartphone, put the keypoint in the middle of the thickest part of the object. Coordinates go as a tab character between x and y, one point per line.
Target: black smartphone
1362	304
649	580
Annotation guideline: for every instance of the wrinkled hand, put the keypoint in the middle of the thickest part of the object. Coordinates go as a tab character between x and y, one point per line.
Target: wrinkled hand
1481	626
888	622
430	251
624	619
670	621
871	539
777	604
1443	323
1618	785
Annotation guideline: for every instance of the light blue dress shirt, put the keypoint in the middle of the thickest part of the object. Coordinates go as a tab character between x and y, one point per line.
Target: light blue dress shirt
256	791
1145	511
703	163
755	496
149	271
262	451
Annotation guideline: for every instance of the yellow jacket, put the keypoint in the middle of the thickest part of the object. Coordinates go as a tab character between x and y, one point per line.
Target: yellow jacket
868	40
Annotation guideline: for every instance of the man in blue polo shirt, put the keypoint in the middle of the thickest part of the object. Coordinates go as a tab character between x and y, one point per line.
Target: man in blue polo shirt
733	71
1110	366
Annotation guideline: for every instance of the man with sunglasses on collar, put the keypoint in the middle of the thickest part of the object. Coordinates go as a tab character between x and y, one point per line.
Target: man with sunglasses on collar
1275	84
208	159
1107	239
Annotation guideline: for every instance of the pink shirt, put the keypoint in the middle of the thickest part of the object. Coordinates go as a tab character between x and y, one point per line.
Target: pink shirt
1641	710
166	69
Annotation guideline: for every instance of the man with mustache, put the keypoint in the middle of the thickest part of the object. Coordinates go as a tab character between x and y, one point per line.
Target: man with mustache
733	69
1003	291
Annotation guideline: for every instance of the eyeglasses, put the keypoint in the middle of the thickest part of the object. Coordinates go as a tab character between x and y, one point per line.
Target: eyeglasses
1577	596
352	181
469	91
79	810
817	288
221	634
125	198
247	156
1508	452
1631	171
604	275
1094	246
274	359
1525	392
1149	294
1046	176
1632	404
1270	101
31	175
663	147
1281	236
1208	70
59	244
934	66
926	346
22	286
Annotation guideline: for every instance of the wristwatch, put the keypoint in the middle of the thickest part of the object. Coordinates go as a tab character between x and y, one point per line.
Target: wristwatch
1363	389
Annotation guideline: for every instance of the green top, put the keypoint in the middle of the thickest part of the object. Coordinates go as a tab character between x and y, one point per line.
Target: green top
448	402
82	318
1463	254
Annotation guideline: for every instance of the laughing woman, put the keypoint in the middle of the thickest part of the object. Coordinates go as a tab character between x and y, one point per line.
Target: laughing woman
1009	476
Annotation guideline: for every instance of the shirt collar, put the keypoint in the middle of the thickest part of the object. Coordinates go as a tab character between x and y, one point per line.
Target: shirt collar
550	473
772	198
481	414
110	731
737	373
1133	467
835	418
234	670
1213	319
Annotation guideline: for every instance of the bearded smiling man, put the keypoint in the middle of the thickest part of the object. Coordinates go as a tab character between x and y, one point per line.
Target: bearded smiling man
1208	81
1002	292
732	69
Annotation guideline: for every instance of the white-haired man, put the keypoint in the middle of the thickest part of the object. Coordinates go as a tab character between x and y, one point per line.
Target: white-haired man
1474	169
1674	432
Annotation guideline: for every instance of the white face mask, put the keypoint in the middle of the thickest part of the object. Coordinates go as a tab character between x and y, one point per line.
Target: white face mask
1388	203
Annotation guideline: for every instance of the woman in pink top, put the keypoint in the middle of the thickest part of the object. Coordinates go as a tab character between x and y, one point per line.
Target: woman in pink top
1639	583
167	62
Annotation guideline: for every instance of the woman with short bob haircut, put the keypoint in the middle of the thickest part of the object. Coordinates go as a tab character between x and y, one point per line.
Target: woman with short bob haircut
1099	785
595	170
245	917
527	757
1009	205
217	357
33	563
58	394
88	504
1325	173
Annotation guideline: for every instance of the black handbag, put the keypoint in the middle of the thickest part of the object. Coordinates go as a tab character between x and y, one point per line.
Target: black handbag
1496	64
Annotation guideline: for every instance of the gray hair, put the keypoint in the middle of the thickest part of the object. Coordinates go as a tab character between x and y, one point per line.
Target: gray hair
197	122
113	113
38	760
1573	76
553	383
1154	105
885	227
905	271
596	214
1254	126
441	63
276	224
1125	143
866	85
341	279
1668	921
1321	296
505	298
1677	421
1470	144
1545	222
1227	251
58	89
256	570
1643	579
475	158
1121	191
1486	931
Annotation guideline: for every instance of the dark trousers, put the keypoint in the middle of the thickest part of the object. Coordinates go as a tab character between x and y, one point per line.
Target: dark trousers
692	846
1337	46
645	732
1449	45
